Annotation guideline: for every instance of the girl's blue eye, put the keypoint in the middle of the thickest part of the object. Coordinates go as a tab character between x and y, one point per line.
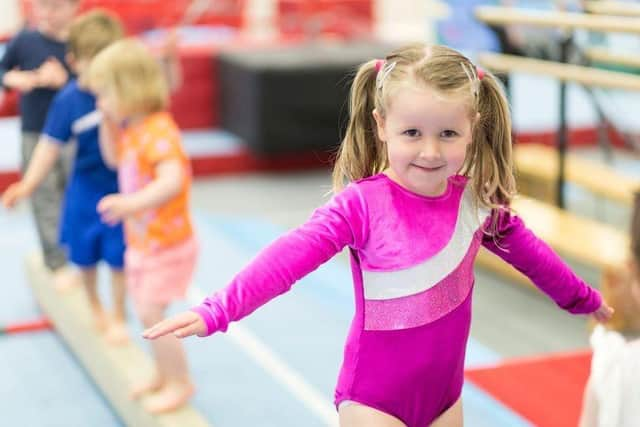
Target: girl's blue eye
412	133
449	133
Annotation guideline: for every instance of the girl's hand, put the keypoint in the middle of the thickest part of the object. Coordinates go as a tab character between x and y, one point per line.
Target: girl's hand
603	314
115	207
14	194
181	325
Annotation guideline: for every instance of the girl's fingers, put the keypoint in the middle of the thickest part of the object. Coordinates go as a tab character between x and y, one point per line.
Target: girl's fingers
169	325
187	331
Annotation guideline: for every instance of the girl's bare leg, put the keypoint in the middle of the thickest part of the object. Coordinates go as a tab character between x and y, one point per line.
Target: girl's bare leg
117	329
357	415
89	281
171	386
452	417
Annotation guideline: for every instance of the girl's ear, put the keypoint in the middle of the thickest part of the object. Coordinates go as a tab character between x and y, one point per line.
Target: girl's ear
379	125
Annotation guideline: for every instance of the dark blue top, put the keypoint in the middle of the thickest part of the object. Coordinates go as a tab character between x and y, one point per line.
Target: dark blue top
73	115
27	51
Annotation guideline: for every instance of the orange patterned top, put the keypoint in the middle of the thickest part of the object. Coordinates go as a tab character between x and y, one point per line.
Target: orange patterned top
140	149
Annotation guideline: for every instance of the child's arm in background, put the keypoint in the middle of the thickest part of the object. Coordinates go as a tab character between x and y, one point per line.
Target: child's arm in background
57	131
44	156
10	76
169	176
170	60
52	74
341	222
518	246
22	81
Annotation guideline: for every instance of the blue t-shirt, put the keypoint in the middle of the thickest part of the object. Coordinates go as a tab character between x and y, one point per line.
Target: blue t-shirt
28	50
73	115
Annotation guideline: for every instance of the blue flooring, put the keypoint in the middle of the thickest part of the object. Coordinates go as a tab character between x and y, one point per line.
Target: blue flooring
306	328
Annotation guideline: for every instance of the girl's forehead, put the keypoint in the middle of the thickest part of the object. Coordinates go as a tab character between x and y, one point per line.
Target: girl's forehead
420	99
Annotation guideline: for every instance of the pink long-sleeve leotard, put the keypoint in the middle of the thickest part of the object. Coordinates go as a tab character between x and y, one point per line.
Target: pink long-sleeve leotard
412	263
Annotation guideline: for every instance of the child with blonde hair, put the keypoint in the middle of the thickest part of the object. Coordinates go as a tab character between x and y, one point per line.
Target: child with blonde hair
611	396
141	139
427	159
73	117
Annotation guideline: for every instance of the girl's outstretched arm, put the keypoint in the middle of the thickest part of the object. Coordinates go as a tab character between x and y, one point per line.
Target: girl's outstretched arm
518	246
341	222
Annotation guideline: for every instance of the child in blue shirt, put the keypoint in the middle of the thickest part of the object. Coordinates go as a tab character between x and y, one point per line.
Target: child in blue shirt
73	115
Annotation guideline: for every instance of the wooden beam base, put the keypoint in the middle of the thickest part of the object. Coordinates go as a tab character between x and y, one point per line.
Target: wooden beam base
112	368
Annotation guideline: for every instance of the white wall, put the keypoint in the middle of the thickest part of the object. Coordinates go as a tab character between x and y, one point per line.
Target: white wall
10	19
407	20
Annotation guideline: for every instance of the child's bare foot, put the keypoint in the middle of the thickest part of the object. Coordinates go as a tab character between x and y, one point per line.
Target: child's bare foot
149	386
65	279
172	396
100	319
117	333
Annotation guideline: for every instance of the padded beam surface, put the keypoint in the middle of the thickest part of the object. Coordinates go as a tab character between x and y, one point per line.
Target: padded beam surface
112	368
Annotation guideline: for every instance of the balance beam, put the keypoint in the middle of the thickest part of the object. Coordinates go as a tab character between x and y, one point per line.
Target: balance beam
496	15
583	240
600	54
617	8
113	368
537	174
564	72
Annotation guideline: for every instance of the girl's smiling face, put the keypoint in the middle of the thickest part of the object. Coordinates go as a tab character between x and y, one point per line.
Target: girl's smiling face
426	136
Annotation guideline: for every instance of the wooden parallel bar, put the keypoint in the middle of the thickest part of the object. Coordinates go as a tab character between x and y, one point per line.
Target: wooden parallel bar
496	15
112	368
586	241
438	9
618	8
495	264
540	162
566	72
600	54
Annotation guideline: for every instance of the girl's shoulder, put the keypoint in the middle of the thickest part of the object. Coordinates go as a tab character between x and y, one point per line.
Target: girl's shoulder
161	123
370	180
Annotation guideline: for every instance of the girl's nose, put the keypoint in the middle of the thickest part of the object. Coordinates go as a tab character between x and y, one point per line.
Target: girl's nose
430	150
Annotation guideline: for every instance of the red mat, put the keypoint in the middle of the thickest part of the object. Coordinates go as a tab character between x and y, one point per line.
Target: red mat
547	391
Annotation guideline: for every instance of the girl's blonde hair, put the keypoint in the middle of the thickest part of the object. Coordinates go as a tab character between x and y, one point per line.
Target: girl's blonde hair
488	162
128	71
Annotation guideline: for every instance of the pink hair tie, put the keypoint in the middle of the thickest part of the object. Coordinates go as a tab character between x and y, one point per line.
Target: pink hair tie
480	72
379	65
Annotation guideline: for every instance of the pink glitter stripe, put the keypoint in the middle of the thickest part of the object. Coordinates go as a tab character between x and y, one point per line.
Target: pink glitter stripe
425	307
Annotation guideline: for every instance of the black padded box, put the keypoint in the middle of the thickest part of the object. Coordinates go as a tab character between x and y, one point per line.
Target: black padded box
290	99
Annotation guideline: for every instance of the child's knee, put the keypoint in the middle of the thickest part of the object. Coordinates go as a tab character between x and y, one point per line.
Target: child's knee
149	314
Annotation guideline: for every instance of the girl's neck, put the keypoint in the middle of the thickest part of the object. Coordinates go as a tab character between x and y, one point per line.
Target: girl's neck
133	120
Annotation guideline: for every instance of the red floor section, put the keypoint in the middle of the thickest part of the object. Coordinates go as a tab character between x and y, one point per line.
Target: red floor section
547	391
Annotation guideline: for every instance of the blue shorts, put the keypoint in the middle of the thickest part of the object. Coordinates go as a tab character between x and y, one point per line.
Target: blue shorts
91	243
87	239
